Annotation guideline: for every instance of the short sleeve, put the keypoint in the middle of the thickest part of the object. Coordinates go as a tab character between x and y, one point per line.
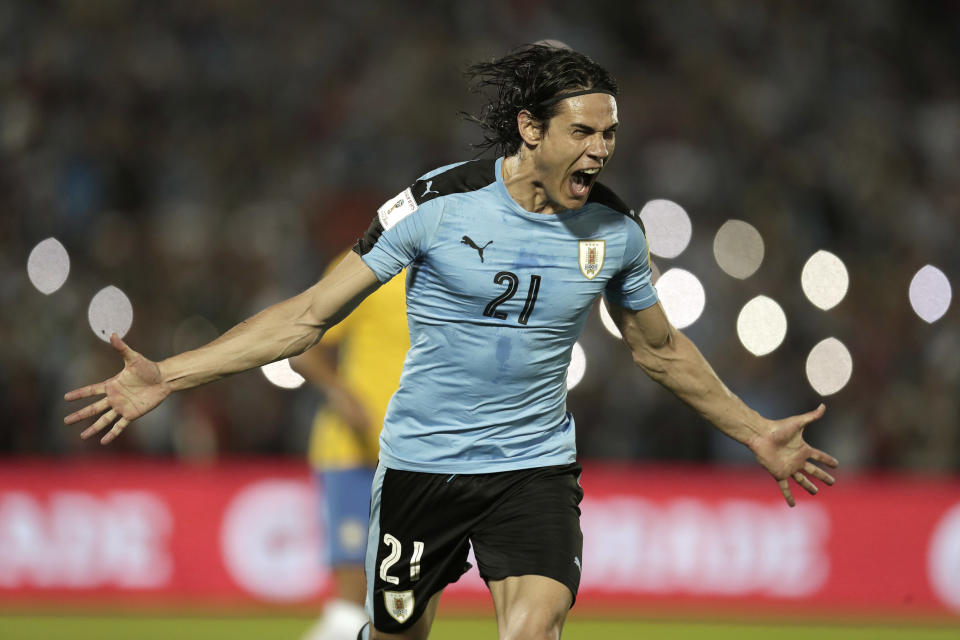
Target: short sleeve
399	234
631	287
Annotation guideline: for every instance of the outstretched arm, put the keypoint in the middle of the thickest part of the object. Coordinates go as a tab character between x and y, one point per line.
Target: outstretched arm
279	331
670	358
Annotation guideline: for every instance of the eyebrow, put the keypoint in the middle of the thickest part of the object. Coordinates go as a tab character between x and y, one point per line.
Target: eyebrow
589	129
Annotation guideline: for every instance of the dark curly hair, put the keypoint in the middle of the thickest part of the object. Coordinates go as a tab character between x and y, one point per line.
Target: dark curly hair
528	78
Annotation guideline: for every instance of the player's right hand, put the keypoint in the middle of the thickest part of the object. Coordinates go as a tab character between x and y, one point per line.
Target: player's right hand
134	391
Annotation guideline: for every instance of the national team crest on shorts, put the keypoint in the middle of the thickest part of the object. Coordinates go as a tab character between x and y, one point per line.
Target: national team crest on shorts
399	604
592	253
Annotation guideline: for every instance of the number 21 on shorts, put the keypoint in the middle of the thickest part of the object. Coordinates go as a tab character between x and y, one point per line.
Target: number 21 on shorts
394	555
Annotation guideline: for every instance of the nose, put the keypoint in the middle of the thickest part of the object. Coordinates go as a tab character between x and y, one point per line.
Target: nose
599	147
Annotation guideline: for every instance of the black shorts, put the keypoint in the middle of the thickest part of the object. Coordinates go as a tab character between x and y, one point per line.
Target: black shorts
524	522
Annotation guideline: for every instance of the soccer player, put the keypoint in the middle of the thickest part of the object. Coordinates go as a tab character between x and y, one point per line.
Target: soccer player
505	258
357	367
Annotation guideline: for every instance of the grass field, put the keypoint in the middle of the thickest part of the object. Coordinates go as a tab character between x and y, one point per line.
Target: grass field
16	627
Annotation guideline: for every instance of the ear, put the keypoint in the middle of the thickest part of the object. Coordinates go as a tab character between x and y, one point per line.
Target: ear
531	129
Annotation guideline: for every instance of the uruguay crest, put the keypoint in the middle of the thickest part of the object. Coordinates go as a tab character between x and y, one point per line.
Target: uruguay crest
399	604
592	253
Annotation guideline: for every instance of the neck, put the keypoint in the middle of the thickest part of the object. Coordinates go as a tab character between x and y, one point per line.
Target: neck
525	186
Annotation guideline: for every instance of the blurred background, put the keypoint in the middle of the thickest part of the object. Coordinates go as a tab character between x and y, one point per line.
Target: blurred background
208	158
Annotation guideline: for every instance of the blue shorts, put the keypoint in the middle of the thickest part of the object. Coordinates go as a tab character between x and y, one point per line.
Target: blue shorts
346	513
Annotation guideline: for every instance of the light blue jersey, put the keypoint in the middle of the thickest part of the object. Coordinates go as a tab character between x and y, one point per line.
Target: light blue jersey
496	298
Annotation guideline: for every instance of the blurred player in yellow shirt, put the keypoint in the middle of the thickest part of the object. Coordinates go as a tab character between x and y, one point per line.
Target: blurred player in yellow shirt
357	366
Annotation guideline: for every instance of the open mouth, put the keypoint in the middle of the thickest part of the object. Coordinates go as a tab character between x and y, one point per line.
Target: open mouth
581	181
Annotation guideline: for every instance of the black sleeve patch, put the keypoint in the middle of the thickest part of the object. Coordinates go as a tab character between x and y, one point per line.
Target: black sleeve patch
469	176
602	194
368	239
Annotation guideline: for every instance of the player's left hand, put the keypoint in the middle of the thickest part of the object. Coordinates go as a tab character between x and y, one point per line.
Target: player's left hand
783	452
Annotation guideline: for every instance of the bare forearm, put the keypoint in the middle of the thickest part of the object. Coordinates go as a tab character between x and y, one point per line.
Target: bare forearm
670	358
680	367
285	329
279	331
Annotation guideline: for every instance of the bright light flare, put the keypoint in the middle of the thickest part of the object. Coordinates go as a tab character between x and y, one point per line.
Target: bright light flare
682	297
578	366
607	320
930	293
824	280
761	326
110	312
48	266
829	367
667	227
738	248
281	374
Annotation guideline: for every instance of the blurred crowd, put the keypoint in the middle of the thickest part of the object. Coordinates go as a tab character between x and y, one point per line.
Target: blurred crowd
209	158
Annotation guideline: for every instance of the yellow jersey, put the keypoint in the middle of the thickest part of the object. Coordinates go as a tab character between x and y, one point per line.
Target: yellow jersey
372	344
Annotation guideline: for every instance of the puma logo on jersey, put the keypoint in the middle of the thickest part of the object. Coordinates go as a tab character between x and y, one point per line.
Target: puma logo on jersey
429	190
470	243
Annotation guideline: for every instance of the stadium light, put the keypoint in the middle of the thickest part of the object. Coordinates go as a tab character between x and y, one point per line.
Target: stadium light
607	320
48	266
281	374
682	297
824	280
578	366
829	367
930	293
738	248
110	312
667	226
761	326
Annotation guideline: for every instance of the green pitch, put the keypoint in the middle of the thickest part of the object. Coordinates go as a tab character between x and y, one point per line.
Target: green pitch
15	627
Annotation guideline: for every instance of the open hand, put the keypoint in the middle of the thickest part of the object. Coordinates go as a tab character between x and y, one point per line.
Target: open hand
783	452
134	391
